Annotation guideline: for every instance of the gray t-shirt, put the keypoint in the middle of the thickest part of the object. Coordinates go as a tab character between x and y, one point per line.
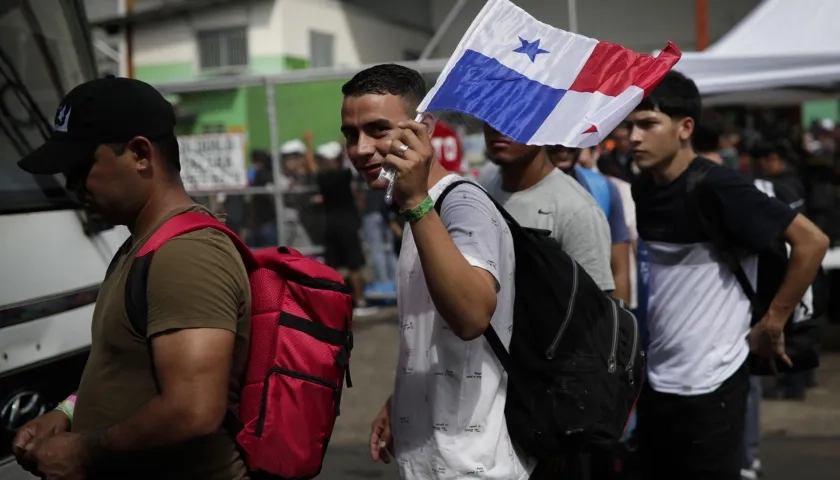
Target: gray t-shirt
559	204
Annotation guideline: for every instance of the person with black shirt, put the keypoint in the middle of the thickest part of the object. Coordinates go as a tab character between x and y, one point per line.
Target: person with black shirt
263	210
342	244
696	317
618	162
776	169
774	166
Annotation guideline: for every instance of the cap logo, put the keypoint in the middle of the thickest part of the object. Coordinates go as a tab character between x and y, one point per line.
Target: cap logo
62	118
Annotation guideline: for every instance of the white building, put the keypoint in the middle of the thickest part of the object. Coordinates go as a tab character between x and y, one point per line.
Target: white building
181	40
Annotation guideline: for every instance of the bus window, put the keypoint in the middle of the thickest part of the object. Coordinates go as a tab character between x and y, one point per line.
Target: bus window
36	71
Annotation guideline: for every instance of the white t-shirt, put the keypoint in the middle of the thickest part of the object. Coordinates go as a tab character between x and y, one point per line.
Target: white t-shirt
448	408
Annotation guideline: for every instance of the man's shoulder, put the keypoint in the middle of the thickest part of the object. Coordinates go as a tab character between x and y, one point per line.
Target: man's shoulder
564	195
466	191
208	246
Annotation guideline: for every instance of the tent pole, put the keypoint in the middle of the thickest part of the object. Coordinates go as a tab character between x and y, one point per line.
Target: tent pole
701	24
444	27
573	20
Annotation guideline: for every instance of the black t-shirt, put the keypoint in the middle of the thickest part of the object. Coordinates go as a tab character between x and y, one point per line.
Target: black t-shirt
788	188
263	204
339	203
752	219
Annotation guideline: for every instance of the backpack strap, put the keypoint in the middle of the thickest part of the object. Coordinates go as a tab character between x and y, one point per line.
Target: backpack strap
710	225
597	185
490	334
124	248
138	274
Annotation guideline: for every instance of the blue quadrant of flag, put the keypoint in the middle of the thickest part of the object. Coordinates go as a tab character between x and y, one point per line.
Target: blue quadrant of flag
519	105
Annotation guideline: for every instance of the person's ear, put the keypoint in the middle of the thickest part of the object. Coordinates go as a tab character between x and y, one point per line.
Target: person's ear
686	128
142	150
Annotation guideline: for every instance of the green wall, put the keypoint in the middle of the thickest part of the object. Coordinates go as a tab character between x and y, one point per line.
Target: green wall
269	64
257	119
165	72
227	108
186	71
313	106
818	109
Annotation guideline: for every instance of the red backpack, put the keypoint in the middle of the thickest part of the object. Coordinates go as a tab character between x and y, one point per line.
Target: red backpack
299	353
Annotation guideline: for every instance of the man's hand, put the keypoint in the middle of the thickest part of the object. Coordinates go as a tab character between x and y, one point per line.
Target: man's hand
381	442
36	431
60	457
411	185
767	338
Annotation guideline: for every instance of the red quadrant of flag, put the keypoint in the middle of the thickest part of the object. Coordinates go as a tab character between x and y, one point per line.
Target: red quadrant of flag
611	69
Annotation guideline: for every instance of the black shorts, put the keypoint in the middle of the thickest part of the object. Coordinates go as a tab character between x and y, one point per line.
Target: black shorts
343	247
694	437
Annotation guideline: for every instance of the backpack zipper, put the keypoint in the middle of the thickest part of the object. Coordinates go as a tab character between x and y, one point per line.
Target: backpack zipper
613	350
552	349
318	283
629	367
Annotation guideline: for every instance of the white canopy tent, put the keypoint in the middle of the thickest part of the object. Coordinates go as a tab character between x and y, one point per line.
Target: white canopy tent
783	52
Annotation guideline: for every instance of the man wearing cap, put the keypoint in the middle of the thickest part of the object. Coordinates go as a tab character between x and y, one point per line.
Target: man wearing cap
146	407
342	244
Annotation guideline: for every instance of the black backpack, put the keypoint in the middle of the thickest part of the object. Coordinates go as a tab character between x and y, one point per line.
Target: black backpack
576	365
802	337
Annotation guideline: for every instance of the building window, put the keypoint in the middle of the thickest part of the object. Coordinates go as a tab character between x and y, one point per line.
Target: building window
321	49
223	49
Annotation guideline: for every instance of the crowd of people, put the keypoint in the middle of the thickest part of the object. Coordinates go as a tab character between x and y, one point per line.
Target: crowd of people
626	216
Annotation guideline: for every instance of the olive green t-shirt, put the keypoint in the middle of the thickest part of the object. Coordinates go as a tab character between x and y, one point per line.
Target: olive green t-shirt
196	280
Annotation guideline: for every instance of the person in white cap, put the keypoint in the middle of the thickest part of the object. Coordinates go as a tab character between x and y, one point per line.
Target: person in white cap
342	244
292	153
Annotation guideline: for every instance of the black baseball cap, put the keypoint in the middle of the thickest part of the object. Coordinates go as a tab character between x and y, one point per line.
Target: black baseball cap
105	110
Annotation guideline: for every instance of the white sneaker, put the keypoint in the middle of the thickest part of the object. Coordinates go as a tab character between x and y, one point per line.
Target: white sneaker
756	466
749	474
364	311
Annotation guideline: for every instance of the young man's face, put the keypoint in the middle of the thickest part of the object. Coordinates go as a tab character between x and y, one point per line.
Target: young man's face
504	151
655	137
562	157
369	124
621	137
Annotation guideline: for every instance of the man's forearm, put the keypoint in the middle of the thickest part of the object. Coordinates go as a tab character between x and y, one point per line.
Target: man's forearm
620	265
155	425
804	263
463	297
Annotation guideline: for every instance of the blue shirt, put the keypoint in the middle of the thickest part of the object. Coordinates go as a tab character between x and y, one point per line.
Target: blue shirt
613	208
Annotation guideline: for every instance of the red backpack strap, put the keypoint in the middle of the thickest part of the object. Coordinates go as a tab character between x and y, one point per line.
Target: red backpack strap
190	222
138	274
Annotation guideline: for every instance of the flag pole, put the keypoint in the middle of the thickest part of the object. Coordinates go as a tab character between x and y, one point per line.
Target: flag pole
573	21
390	175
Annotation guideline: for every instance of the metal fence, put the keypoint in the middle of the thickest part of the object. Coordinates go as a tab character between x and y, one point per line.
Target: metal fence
284	208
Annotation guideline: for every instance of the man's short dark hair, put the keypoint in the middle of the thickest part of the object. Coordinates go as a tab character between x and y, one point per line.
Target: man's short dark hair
676	96
388	78
765	148
707	132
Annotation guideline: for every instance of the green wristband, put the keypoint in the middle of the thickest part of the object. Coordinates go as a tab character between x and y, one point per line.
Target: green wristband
420	211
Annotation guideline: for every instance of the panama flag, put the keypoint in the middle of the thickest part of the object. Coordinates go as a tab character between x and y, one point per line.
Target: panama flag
540	85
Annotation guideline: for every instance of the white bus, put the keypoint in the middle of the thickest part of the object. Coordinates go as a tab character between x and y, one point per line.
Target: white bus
52	255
